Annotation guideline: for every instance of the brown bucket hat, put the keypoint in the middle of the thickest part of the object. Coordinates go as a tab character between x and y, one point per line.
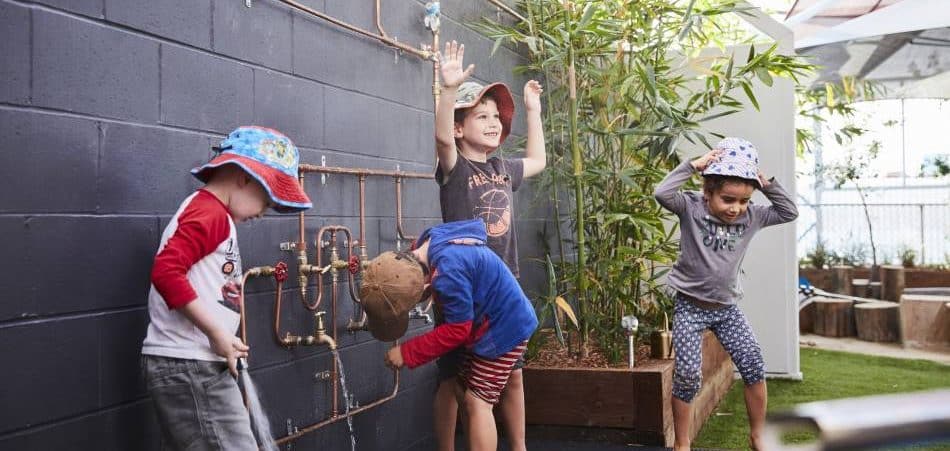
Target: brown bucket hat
392	285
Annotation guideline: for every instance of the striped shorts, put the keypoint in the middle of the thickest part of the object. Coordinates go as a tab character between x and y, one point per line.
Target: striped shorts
487	378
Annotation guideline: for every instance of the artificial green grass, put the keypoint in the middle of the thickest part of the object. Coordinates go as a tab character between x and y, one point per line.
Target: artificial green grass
827	375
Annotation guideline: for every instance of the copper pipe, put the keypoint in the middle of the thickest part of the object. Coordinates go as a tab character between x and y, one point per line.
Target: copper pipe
301	248
363	255
335	418
317	269
335	373
253	272
400	234
305	168
424	54
507	9
379	22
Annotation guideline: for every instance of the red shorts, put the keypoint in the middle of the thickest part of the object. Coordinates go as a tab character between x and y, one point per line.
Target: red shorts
487	378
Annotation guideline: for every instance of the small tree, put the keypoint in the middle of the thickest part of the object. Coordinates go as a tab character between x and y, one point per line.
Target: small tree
854	169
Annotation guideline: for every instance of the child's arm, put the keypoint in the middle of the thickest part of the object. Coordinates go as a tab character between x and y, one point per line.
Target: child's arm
452	76
453	289
667	193
783	208
535	158
223	343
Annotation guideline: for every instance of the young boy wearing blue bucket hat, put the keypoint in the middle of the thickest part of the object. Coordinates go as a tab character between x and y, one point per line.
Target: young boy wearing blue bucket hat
716	226
194	303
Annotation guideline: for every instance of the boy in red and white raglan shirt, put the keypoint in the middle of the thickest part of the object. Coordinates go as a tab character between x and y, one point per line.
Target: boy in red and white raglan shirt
194	302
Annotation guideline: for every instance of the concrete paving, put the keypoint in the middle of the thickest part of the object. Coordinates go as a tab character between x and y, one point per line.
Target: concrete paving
850	344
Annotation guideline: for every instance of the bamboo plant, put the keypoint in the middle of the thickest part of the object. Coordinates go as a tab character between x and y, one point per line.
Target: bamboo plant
625	87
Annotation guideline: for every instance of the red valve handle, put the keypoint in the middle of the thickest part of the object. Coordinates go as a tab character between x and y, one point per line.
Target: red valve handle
354	264
280	272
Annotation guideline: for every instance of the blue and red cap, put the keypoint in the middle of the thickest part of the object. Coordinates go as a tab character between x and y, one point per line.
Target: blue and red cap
267	155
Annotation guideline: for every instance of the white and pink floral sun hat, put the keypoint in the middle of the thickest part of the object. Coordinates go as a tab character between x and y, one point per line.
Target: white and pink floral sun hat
738	159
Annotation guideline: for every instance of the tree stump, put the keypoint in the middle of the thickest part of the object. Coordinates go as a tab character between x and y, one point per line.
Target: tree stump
834	317
925	321
806	319
841	279
859	287
877	321
892	283
874	290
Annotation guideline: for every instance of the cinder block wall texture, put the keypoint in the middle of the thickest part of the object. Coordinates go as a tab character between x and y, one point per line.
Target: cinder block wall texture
105	105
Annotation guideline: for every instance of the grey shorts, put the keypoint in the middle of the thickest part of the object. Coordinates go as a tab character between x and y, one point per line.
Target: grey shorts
198	404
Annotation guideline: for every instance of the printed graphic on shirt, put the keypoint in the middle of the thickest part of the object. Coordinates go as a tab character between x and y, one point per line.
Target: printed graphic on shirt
227	268
230	299
494	207
720	236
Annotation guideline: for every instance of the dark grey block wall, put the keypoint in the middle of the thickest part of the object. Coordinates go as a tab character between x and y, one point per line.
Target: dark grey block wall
105	105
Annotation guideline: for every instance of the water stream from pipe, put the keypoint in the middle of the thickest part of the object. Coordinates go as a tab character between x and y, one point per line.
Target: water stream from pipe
347	400
259	423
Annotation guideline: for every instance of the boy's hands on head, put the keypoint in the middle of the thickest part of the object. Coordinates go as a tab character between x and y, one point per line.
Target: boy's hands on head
450	65
763	180
228	346
700	164
532	96
394	358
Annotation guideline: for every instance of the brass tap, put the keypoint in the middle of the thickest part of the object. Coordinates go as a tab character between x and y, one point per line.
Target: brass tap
321	333
303	268
261	271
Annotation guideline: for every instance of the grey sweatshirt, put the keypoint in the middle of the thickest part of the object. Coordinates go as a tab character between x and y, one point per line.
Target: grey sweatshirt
711	251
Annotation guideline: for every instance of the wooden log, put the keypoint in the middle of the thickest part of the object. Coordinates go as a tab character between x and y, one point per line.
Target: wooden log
874	290
859	287
892	283
841	279
806	319
877	321
834	317
925	322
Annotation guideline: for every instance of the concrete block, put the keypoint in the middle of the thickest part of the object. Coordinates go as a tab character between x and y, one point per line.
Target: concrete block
15	48
206	93
132	426
398	130
35	147
260	34
120	348
81	263
35	357
187	21
146	169
291	105
350	118
310	49
89	68
92	8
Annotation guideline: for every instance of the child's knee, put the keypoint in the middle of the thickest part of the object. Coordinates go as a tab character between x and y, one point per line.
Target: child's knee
686	384
751	368
515	381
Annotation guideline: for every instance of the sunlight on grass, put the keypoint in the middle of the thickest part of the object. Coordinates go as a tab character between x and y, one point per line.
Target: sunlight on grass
827	375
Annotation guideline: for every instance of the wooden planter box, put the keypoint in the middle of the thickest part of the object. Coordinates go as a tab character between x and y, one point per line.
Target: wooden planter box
913	277
618	404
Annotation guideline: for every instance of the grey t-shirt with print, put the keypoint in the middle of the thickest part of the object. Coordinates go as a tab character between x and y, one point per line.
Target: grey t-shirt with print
484	190
711	251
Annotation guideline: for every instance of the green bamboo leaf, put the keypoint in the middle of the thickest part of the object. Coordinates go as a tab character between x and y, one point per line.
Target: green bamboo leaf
748	93
764	75
719	114
497	44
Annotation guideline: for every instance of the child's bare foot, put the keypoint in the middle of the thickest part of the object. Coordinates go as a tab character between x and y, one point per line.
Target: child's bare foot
680	447
755	442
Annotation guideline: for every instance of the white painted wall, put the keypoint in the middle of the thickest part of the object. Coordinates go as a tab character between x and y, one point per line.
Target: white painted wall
770	269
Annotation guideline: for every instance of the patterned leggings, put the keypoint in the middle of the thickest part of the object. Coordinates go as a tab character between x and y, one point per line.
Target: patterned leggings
732	329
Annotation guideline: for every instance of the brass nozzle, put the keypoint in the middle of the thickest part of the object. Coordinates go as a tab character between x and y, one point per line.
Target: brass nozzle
321	333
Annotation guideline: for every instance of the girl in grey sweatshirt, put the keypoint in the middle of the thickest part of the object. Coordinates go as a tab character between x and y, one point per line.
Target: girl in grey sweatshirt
716	226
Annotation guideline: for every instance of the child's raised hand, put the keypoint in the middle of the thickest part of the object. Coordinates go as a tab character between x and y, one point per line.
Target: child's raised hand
702	162
763	179
394	358
532	95
450	65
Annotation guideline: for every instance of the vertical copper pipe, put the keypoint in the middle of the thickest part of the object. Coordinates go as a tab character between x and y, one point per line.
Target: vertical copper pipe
301	247
379	22
400	233
280	287
319	296
363	254
335	373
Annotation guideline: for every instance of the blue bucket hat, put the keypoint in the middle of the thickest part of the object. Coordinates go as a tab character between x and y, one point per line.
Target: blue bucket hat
268	156
738	159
